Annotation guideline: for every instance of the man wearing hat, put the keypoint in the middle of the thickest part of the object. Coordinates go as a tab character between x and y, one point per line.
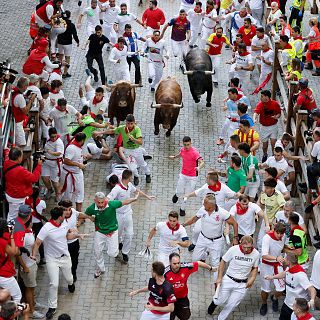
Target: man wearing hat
19	230
315	116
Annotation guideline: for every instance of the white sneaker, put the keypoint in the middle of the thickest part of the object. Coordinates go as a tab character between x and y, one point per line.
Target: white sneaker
37	315
40	306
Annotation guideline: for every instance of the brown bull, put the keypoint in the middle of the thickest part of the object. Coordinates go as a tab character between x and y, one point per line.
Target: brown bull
168	103
121	102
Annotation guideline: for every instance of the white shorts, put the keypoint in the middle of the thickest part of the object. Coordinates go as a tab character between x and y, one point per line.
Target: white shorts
148	315
20	135
50	169
30	279
269	132
94	150
266	285
252	188
65	49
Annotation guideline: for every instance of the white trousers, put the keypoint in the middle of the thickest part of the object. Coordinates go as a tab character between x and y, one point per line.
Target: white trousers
137	153
194	35
102	241
216	63
20	135
53	268
179	48
230	295
267	285
261	234
75	186
148	315
244	77
14	207
12	286
196	231
214	248
205	33
185	185
53	37
155	70
109	32
122	73
163	256
125	230
228	128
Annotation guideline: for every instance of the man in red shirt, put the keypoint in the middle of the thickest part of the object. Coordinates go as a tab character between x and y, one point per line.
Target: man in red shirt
19	230
305	99
177	274
268	112
18	180
153	18
248	31
215	43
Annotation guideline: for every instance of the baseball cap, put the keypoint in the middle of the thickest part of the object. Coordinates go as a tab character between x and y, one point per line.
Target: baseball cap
24	211
303	82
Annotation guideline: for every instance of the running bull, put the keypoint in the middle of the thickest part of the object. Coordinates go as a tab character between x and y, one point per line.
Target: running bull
121	102
199	72
168	98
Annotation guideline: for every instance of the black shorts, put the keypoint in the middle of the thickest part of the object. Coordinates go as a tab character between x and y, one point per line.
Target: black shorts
181	309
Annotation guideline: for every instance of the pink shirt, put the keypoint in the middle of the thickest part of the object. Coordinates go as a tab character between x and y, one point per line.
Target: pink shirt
190	160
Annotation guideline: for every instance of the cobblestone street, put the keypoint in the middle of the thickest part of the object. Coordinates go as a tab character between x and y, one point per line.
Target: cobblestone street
107	297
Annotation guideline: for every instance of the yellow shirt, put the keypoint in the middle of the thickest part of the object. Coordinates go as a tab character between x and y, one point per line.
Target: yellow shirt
225	4
272	204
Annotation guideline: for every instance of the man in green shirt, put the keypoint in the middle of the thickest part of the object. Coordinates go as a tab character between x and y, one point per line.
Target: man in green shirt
132	141
236	176
106	224
251	170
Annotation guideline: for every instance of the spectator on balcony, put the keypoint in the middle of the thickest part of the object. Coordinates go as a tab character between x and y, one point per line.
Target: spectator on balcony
273	18
295	73
18	180
288	52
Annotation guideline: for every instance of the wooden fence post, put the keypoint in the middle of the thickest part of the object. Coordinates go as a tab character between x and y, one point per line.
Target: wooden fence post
302	116
275	68
293	89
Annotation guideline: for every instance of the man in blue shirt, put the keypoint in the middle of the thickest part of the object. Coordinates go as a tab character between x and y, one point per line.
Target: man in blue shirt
242	112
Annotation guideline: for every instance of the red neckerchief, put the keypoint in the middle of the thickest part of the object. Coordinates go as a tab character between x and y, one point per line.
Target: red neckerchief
154	40
260	37
239	96
198	11
241	249
59	108
266	50
174	228
298	38
58	136
54	91
57	70
306	316
92	115
54	223
117	46
295	269
96	101
244	54
216	187
127	34
77	144
295	228
288	46
126	130
240	211
122	186
272	236
207	10
105	204
180	21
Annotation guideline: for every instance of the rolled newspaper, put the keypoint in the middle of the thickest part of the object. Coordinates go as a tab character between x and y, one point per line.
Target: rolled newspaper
216	294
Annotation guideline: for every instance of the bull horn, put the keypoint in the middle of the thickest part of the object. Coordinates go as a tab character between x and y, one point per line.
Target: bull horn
136	85
177	105
188	73
155	105
209	72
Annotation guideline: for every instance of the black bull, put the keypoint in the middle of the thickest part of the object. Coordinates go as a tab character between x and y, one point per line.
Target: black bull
168	99
199	72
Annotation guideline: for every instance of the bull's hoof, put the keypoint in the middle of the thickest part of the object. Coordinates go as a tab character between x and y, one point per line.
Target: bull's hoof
156	133
196	100
168	133
208	104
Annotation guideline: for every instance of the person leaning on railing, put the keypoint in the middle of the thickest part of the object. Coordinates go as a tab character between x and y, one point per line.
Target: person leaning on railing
18	180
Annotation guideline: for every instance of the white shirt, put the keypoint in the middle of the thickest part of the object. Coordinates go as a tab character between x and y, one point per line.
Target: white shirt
117	169
110	15
279	165
44	113
315	274
221	196
55	96
28	243
53	146
116	54
19	101
272	247
63	118
75	154
209	23
280	217
54	240
211	225
72	222
239	21
246	222
240	264
297	285
243	61
195	19
95	108
269	57
167	235
40	207
156	50
35	90
121	193
316	150
122	20
257	42
93	16
254	4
